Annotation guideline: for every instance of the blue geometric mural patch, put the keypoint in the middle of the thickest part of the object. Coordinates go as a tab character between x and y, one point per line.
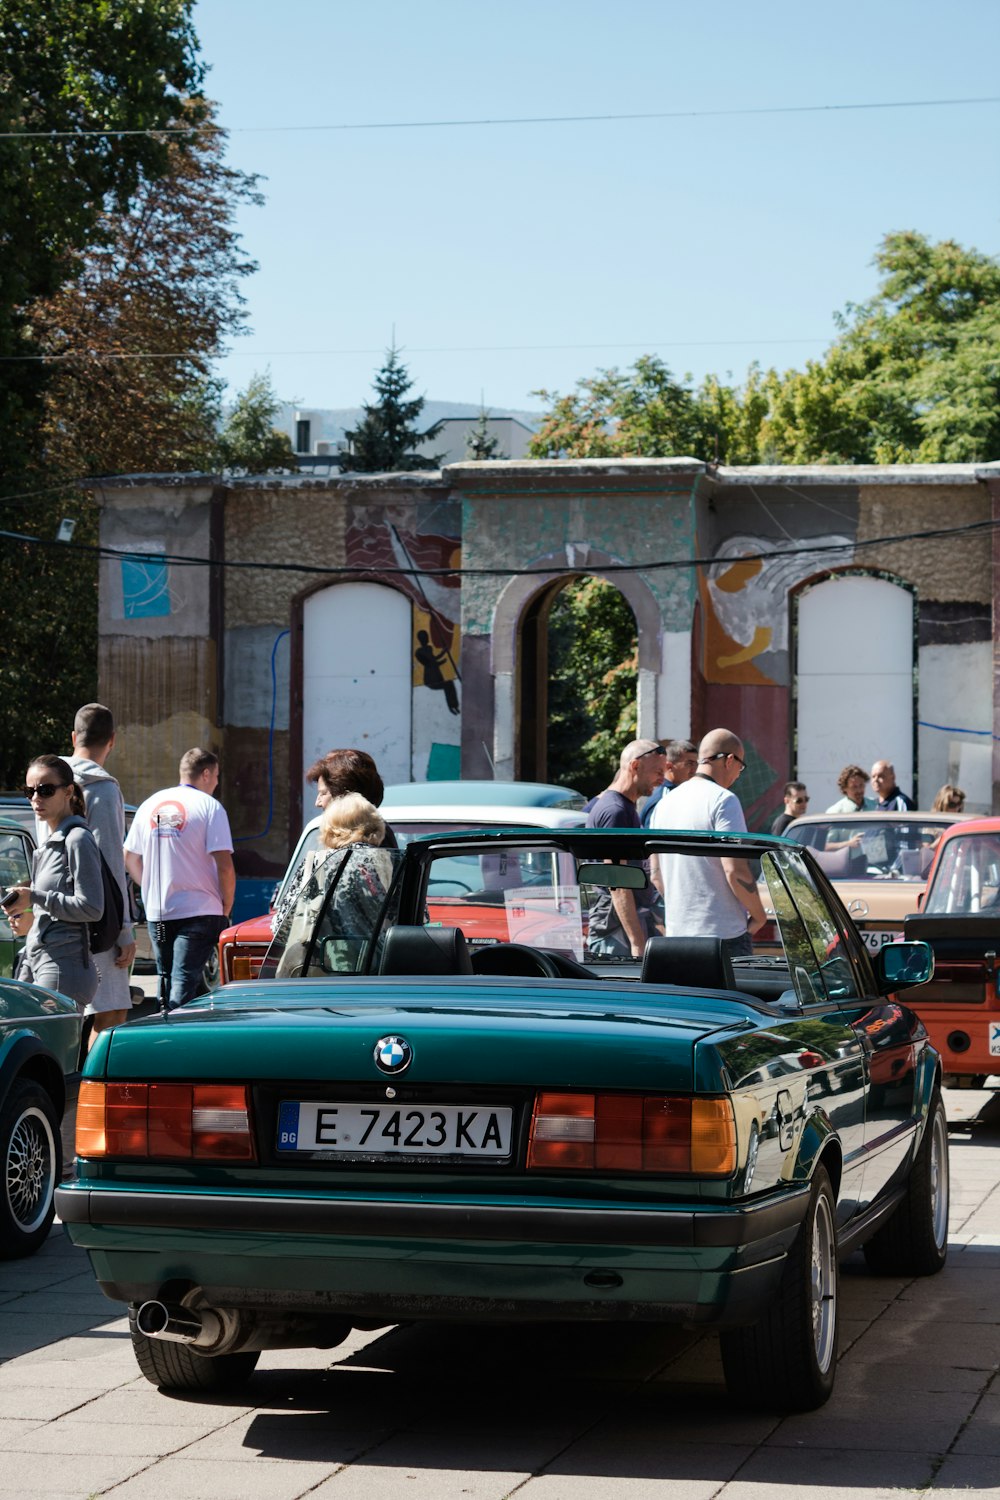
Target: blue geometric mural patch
145	590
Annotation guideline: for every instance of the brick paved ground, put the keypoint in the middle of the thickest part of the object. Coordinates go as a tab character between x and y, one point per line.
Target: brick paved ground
578	1414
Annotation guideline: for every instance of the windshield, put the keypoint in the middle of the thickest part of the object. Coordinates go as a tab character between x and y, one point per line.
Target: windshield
886	850
967	880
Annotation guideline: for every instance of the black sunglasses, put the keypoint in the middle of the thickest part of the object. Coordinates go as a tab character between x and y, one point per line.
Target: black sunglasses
658	751
44	789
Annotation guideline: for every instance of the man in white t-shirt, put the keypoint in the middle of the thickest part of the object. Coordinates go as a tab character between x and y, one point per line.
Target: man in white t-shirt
705	896
180	851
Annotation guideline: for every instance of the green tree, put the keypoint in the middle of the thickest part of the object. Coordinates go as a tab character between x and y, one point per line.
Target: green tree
593	665
914	373
69	67
480	443
48	665
249	440
647	413
384	440
132	333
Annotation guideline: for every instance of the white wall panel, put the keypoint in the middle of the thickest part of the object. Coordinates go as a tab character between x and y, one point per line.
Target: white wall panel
855	682
357	677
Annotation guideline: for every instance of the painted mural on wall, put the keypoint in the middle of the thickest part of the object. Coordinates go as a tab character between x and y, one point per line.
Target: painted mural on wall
745	601
383	539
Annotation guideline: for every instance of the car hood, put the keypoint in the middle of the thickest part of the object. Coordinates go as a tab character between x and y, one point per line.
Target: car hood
252	930
460	1031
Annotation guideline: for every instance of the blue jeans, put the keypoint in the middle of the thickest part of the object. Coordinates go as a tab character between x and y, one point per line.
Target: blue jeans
739	947
183	953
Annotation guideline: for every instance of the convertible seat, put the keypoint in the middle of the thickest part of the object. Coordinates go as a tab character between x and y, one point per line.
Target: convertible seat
700	963
839	864
425	950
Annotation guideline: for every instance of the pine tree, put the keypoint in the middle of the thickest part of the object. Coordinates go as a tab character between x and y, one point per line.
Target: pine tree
385	439
480	444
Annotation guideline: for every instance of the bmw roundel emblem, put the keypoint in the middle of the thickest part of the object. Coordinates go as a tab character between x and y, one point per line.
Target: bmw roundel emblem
393	1054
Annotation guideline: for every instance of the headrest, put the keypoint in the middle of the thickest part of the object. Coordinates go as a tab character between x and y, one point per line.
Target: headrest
836	864
425	950
701	963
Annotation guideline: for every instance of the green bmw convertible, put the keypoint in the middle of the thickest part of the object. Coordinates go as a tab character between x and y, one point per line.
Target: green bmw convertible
446	1098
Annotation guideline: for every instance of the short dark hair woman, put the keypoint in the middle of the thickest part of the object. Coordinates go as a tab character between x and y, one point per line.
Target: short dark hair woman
342	771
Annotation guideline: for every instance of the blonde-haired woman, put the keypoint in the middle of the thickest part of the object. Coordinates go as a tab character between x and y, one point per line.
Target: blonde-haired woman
351	819
949	799
349	857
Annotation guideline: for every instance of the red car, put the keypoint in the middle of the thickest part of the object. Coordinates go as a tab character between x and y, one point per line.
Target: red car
960	917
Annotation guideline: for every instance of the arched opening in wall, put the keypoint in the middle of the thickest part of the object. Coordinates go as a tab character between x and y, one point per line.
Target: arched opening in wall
577	683
854	680
357	640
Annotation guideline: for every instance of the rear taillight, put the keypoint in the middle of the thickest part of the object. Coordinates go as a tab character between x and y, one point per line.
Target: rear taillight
166	1121
239	962
632	1133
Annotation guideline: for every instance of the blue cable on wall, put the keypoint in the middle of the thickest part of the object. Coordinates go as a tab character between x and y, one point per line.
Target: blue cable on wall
950	729
249	837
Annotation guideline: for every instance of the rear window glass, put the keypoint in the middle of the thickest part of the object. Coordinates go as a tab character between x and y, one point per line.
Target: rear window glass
967	880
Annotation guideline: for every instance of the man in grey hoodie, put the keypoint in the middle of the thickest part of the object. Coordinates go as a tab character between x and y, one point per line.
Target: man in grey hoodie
93	741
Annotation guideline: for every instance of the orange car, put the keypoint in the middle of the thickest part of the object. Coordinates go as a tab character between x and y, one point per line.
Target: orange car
960	918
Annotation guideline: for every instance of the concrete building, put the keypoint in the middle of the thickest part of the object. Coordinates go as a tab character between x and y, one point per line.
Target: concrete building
807	608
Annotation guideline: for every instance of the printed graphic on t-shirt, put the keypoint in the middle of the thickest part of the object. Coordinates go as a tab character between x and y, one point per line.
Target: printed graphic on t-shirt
168	819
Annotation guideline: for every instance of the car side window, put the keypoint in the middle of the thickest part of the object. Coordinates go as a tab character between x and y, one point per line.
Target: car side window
15	862
803	965
825	937
855	951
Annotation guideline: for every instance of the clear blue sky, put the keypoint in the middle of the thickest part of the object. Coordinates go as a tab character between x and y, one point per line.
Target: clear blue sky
709	241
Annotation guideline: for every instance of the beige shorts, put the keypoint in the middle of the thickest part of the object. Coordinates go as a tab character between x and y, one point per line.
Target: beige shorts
113	988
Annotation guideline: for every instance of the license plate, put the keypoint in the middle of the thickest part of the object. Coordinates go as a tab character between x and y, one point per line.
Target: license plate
876	940
387	1130
994	1027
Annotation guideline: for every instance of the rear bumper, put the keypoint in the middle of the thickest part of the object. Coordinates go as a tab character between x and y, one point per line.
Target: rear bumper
340	1217
402	1260
945	1022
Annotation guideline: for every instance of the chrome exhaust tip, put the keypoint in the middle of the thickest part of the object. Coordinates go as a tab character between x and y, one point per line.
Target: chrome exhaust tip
177	1324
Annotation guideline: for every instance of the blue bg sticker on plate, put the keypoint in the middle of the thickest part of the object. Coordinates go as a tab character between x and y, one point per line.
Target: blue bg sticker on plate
288	1125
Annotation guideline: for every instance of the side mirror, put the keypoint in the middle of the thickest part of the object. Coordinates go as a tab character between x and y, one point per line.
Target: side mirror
899	966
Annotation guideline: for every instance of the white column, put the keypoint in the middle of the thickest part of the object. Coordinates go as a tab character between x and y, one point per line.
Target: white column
673	699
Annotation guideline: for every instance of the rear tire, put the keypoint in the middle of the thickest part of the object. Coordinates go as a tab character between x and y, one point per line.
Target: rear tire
914	1241
179	1367
787	1360
31	1158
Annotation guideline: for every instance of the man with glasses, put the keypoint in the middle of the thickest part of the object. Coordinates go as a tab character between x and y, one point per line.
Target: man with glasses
796	804
680	761
619	919
705	896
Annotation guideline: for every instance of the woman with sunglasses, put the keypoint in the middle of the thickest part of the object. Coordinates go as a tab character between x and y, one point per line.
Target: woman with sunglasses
66	891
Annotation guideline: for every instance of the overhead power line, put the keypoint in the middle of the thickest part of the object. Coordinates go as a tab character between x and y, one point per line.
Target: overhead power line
822	549
210	128
102	354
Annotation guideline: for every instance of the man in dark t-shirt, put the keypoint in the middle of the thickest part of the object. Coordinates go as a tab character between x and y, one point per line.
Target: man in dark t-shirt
618	920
